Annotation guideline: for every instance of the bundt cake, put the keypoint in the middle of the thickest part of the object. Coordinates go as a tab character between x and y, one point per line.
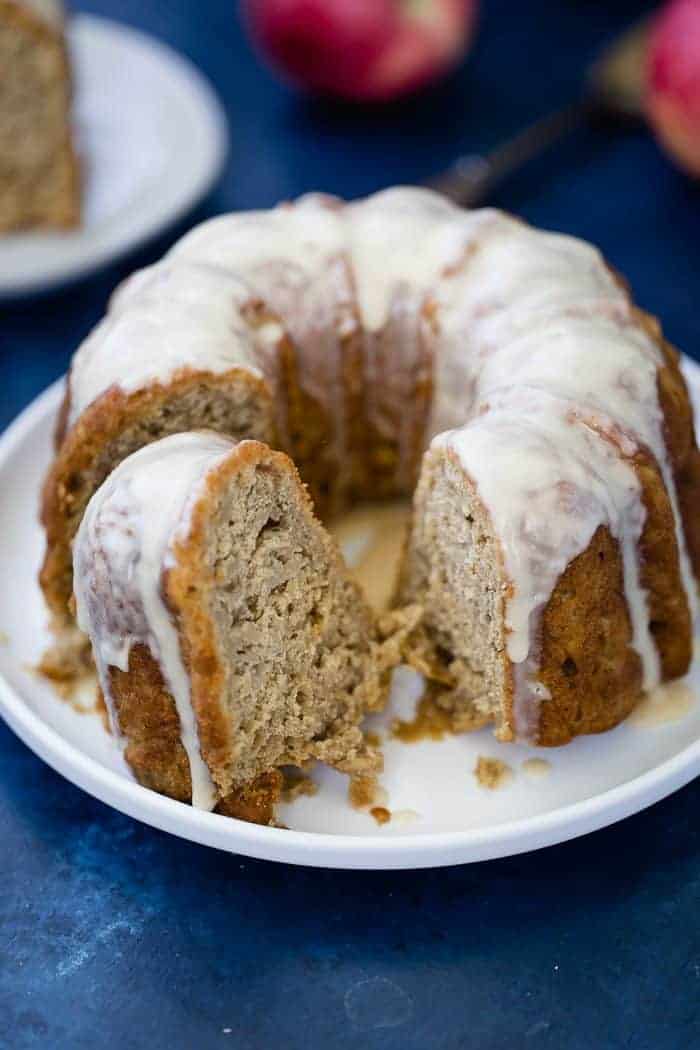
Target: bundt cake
227	635
39	177
554	543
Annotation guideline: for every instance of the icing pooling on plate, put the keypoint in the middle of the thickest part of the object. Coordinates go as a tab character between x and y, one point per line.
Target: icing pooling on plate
503	308
123	545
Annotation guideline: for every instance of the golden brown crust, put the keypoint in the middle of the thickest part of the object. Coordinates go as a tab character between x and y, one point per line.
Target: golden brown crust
61	425
688	486
310	437
680	437
586	620
91	449
587	664
659	551
254	803
148	720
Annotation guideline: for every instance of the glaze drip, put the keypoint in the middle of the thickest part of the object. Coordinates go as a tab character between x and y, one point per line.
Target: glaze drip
121	551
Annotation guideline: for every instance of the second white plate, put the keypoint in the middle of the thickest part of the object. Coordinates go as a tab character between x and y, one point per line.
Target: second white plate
441	814
152	138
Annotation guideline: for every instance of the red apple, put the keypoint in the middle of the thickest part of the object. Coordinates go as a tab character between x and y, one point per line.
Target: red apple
673	82
363	50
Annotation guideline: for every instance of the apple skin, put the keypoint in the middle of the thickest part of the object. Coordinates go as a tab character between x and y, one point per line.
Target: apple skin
673	82
361	50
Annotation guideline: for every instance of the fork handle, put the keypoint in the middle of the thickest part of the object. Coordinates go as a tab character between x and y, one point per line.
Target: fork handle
472	177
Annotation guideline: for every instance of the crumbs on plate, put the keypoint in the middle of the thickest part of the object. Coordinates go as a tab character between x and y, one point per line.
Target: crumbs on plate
492	773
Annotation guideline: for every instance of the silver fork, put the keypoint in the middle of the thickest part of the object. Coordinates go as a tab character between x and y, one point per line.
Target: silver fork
613	90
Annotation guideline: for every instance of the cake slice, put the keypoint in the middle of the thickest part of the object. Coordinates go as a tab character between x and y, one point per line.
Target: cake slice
39	177
228	637
543	554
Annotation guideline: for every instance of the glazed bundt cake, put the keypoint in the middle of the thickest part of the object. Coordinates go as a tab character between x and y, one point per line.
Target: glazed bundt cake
554	542
227	635
39	175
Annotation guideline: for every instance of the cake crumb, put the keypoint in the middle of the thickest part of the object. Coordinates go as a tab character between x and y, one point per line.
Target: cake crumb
67	664
381	814
64	682
80	691
4	638
492	773
431	722
537	768
65	689
254	802
373	739
296	783
365	791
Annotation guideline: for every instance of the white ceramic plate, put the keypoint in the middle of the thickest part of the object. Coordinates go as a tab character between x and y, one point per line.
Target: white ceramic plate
441	815
152	138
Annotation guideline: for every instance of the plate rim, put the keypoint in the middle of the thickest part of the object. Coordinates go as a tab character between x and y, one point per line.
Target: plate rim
213	113
319	849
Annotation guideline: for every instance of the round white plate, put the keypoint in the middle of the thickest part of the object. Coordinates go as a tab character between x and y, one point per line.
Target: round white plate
152	138
441	814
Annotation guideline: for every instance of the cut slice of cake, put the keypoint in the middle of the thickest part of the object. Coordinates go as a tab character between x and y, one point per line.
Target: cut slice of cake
543	555
39	176
228	637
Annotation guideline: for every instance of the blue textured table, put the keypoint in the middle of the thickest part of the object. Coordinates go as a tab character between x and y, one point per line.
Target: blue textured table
114	934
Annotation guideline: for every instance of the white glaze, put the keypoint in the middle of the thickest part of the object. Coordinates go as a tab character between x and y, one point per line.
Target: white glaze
303	236
161	320
404	239
124	543
517	281
514	307
288	257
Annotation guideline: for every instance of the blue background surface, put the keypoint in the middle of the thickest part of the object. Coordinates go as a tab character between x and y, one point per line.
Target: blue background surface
114	934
